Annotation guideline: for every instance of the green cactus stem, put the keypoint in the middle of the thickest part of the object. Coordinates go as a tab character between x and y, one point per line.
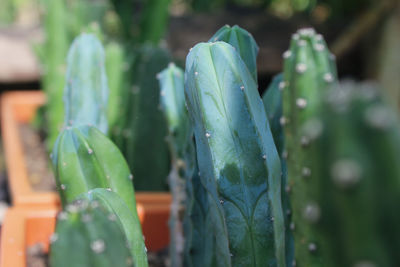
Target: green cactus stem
84	159
309	70
129	222
86	90
238	162
86	235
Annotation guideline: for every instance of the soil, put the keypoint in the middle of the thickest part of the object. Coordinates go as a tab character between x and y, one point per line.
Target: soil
36	257
37	161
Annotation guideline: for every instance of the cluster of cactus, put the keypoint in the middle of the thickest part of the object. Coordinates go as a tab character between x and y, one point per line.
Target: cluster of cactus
91	172
289	180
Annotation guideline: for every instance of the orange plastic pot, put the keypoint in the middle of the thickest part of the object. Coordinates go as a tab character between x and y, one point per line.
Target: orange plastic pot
20	107
26	226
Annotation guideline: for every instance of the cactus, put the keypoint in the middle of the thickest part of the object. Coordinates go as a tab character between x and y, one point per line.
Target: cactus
309	71
180	133
272	99
86	235
238	162
352	189
86	90
128	221
85	159
145	128
243	42
117	70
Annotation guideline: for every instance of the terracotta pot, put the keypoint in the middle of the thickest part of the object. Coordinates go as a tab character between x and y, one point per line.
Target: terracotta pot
20	107
26	226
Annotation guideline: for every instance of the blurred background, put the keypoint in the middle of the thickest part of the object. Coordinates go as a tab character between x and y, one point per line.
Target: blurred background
363	34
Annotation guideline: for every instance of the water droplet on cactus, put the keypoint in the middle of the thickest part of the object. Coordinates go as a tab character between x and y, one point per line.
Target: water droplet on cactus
112	217
64	164
208	135
295	36
63	187
346	173
288	189
221	201
242	87
231	254
312	128
264	156
304	141
171	64
130	177
312	212
162	93
301	103
306	31
328	77
292	226
196	73
272	219
294	263
285	154
53	238
312	247
90	151
306	172
301	68
365	264
287	54
319	37
379	117
288	212
109	189
98	246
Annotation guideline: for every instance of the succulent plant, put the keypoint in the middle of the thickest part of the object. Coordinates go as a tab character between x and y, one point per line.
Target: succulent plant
352	191
128	221
87	235
145	128
84	159
86	90
180	134
309	70
238	162
243	42
273	105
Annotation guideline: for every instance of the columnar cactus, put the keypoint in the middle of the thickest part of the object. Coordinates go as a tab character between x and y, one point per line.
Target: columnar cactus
353	190
309	69
180	134
238	162
145	148
243	42
86	90
87	235
272	99
119	212
84	159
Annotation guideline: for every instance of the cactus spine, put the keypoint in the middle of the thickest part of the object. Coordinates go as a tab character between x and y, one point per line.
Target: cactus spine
129	222
86	90
308	71
238	161
86	236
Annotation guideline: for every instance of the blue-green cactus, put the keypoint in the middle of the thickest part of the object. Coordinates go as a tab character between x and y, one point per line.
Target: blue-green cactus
128	221
243	42
238	162
86	90
86	235
84	159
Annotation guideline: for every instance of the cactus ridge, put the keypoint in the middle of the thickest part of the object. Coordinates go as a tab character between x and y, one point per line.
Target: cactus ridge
232	133
243	42
128	221
84	159
85	236
86	90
